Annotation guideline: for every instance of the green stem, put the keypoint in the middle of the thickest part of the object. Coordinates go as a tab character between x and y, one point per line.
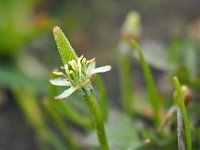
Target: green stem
151	88
125	64
181	104
99	123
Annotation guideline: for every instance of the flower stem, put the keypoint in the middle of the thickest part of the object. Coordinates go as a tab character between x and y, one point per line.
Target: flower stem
97	114
151	88
181	143
125	64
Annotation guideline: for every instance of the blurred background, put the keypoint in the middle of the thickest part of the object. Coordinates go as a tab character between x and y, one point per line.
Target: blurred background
28	52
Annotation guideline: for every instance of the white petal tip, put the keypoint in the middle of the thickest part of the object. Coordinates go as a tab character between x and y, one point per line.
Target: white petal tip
60	82
66	93
58	98
101	69
109	67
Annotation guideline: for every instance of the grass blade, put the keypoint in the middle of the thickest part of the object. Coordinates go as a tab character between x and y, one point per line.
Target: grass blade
29	106
125	64
184	113
62	126
131	29
151	88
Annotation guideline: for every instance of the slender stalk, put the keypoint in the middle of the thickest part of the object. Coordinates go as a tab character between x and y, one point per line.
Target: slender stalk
125	64
184	113
167	118
98	118
151	88
181	143
131	28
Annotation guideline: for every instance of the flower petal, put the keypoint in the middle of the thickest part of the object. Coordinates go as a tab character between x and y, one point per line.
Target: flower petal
60	82
101	69
91	66
66	93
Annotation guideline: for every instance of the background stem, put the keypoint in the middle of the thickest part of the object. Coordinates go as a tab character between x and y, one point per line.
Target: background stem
151	87
181	104
125	64
181	143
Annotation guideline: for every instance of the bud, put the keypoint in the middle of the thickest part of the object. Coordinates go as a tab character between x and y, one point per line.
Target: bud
132	27
187	94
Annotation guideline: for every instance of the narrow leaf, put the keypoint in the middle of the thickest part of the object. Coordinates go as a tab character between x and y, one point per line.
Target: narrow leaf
151	88
184	113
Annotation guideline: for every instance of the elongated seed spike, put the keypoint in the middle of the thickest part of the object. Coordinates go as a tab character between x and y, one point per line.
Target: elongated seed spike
67	53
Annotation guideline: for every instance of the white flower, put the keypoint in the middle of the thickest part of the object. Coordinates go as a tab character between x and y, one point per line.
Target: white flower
78	75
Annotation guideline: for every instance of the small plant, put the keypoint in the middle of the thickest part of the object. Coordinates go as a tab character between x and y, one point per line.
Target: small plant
78	75
147	117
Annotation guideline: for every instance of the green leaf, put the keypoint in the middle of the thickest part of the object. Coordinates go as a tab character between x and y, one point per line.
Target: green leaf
28	103
126	83
67	53
120	132
181	104
151	88
9	77
60	123
155	54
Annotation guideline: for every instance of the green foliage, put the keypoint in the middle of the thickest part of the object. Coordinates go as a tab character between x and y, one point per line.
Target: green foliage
151	88
125	65
16	26
10	77
30	107
58	120
65	124
130	29
120	131
181	104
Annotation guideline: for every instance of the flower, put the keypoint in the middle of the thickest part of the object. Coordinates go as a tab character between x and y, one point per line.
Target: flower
78	71
78	75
